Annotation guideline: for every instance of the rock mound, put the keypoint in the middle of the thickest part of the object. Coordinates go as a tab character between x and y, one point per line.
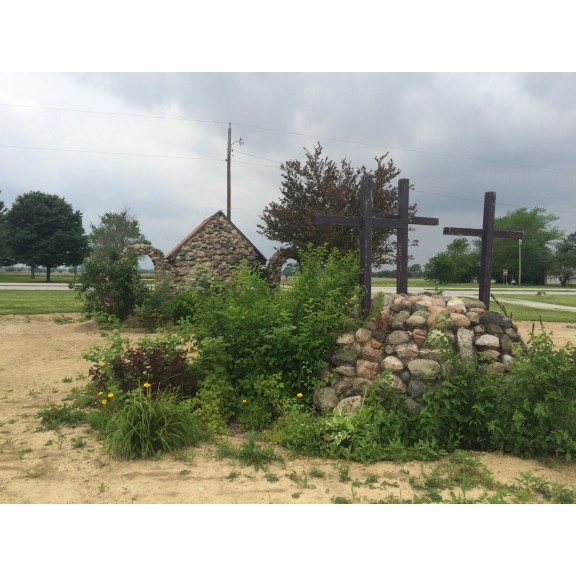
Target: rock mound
407	339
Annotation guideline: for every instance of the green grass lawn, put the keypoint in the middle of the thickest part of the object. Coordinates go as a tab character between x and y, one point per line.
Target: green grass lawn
427	285
38	301
548	299
55	277
64	301
520	313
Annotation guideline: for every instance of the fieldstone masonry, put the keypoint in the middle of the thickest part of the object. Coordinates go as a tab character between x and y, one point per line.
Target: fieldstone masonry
404	340
216	244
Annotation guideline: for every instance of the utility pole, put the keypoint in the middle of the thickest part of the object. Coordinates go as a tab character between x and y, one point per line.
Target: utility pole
228	162
519	261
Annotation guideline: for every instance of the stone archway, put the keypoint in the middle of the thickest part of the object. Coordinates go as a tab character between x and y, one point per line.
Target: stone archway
162	268
276	263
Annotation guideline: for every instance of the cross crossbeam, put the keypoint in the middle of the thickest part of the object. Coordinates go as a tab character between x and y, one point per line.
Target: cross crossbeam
367	222
487	233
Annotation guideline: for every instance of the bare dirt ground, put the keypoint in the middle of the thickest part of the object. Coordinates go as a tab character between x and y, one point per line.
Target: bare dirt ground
41	362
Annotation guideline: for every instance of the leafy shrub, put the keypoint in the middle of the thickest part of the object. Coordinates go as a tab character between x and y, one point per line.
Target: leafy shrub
298	430
164	361
155	310
460	412
213	403
536	414
271	344
110	285
530	411
148	425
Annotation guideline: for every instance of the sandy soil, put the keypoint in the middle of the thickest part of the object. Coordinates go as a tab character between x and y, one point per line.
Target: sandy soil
40	362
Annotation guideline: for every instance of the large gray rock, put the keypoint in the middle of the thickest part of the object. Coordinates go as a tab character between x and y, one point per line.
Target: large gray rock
487	342
398	337
326	399
424	369
346	354
399	321
349	405
465	344
416	321
361	385
407	352
416	388
363	335
346	339
346	370
392	364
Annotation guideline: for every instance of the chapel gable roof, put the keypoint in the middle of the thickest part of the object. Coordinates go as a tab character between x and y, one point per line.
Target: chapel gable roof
174	252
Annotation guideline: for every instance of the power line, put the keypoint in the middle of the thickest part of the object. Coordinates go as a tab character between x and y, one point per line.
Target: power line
291	133
156	117
411	150
260	157
111	153
417	191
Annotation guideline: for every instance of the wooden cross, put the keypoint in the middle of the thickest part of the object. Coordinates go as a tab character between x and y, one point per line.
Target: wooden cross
487	233
367	222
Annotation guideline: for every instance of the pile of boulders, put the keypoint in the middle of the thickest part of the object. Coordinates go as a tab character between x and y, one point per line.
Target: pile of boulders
407	339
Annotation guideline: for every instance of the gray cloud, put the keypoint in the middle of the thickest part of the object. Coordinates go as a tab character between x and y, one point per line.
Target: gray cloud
455	136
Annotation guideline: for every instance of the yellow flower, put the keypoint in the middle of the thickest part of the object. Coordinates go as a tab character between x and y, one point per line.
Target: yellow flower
195	354
100	393
146	384
110	395
104	401
299	395
102	363
244	401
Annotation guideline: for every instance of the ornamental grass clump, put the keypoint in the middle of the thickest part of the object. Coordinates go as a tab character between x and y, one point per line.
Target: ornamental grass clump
147	425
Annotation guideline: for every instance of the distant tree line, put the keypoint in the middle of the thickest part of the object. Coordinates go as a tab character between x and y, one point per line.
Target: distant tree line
545	251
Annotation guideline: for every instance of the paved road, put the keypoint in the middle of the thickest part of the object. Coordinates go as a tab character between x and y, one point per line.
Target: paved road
501	294
35	286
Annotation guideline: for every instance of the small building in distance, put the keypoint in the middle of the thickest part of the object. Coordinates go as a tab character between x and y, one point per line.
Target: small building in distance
216	243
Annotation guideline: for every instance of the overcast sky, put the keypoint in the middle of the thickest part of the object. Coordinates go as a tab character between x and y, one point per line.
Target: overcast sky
432	88
156	142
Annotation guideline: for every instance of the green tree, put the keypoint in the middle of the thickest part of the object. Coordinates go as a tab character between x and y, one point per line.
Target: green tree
537	245
415	271
4	254
564	262
118	229
459	263
322	186
44	230
110	283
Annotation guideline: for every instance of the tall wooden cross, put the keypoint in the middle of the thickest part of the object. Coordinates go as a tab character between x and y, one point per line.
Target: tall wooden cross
487	233
367	222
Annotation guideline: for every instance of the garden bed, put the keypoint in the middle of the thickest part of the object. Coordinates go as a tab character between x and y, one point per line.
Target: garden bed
41	362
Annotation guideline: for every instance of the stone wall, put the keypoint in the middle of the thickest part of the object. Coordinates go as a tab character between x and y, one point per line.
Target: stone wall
216	244
404	340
